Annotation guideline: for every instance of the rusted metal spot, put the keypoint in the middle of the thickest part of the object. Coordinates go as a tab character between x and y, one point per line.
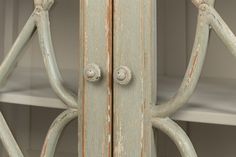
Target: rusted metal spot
194	65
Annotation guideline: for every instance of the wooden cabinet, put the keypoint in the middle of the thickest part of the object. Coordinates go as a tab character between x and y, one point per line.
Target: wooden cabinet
118	59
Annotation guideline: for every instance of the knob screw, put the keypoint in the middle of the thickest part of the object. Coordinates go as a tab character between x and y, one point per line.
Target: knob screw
92	73
123	75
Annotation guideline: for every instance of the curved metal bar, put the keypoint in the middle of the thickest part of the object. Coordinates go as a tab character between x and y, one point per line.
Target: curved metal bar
222	30
197	3
176	133
55	78
45	4
11	60
39	17
8	140
55	131
192	74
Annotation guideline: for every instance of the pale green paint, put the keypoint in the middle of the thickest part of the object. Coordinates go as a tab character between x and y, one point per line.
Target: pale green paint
134	47
95	98
176	133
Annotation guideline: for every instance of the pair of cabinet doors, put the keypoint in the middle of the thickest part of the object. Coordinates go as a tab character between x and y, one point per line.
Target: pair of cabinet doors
117	77
117	49
116	103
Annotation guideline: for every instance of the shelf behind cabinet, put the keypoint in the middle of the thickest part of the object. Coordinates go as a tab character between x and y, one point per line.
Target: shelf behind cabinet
214	100
30	86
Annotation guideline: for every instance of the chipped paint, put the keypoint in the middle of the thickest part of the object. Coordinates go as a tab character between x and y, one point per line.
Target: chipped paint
109	49
55	131
97	102
194	63
132	48
194	69
119	147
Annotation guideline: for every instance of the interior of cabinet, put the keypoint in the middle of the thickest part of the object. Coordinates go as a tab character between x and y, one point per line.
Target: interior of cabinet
29	84
209	116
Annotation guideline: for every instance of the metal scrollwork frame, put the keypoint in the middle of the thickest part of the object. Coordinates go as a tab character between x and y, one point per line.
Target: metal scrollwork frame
208	18
39	20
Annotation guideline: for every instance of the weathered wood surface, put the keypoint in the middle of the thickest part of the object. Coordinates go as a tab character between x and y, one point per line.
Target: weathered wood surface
125	131
95	98
134	47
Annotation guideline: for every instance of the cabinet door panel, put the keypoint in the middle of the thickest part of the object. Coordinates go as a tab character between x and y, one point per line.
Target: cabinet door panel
95	98
134	48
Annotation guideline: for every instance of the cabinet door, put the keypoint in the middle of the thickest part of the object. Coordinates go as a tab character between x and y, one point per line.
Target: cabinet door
95	93
134	54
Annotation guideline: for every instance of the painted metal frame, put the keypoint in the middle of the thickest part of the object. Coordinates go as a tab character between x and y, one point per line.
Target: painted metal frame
39	20
208	18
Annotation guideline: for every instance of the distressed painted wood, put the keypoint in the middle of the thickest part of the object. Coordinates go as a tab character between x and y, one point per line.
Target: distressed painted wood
115	117
95	98
134	47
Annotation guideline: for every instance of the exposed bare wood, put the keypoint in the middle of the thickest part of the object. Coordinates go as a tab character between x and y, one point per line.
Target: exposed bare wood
134	48
95	98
